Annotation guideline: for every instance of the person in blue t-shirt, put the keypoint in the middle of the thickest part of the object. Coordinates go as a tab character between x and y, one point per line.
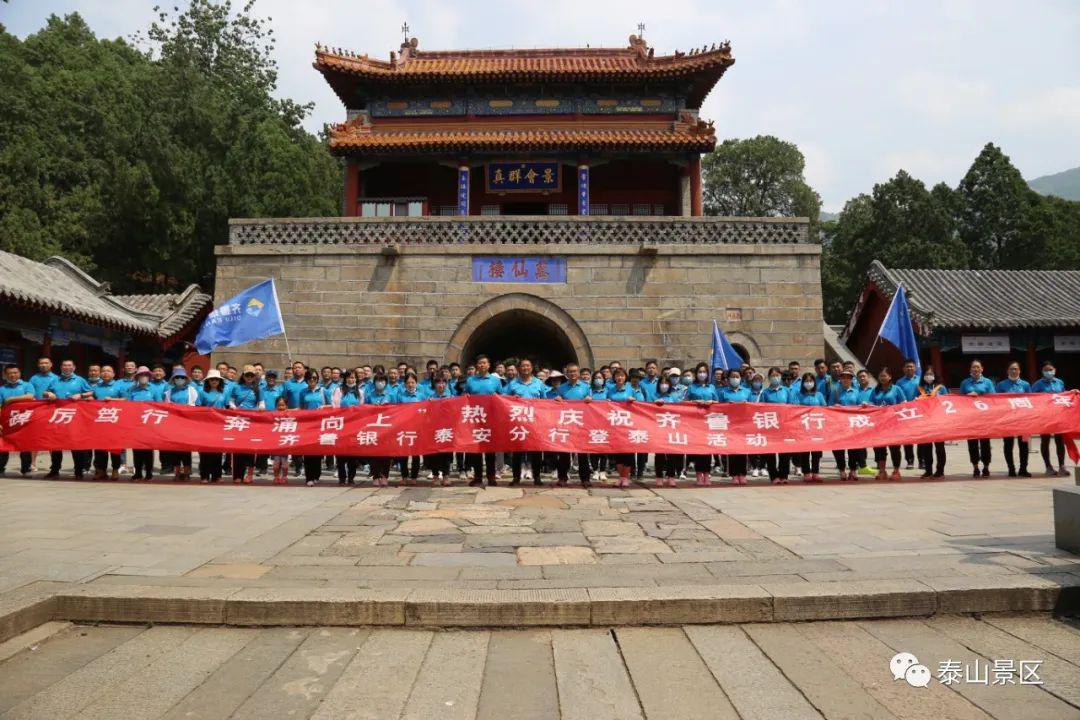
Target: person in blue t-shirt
734	392
928	388
527	386
181	392
807	394
140	391
908	382
482	382
69	386
887	393
622	391
295	385
669	466
1051	383
776	392
978	450
379	394
575	389
213	395
701	391
439	463
410	392
847	395
312	397
107	388
1013	383
15	389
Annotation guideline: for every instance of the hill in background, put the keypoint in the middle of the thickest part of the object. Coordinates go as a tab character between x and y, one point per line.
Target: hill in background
1063	184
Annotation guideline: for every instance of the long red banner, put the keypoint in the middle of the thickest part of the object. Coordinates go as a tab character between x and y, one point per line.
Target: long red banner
501	424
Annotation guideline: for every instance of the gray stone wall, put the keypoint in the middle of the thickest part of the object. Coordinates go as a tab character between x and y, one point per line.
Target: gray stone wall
350	304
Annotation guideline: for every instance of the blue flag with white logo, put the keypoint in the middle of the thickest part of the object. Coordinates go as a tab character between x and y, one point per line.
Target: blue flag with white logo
723	354
252	314
897	328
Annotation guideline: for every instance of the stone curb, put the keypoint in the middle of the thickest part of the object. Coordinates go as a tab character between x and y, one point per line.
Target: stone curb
41	602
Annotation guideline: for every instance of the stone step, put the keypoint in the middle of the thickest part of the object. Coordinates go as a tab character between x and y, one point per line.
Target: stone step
603	606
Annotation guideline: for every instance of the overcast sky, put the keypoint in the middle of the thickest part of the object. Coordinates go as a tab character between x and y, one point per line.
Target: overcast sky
864	88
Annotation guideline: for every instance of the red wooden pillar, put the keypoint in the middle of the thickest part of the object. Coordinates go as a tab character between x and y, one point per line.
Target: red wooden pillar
352	189
1032	363
695	185
936	363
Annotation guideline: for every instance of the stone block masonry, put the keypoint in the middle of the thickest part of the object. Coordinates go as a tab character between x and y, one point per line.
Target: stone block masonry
357	292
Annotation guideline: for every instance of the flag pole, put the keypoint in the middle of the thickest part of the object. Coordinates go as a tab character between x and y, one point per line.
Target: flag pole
277	304
883	320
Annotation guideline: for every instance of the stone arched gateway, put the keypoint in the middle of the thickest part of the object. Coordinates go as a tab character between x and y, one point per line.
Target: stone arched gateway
520	324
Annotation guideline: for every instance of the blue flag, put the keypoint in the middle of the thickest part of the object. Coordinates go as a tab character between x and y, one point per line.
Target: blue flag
897	328
723	355
252	314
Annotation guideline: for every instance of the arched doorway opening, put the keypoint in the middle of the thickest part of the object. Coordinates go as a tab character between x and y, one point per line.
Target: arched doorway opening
520	324
521	333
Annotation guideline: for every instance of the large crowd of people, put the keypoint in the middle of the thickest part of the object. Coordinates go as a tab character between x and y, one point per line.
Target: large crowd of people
257	388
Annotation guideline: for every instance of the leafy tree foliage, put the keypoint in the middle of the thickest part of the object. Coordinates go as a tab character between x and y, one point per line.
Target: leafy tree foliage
992	220
129	157
761	176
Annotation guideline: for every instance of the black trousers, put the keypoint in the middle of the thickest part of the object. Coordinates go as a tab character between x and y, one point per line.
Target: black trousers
143	460
1023	453
240	464
672	465
25	458
210	465
909	454
702	463
641	461
312	468
979	451
182	459
893	453
346	468
79	458
1044	448
438	463
778	466
585	466
926	457
410	467
849	459
380	467
737	464
810	462
101	460
562	466
534	462
478	462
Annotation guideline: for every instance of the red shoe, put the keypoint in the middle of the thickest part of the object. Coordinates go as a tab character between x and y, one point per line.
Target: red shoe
895	477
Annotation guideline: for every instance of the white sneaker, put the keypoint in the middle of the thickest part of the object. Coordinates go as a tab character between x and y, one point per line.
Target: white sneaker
310	483
526	475
602	476
464	476
431	476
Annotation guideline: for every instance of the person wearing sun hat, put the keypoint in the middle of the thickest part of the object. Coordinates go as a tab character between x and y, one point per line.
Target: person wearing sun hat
181	392
140	390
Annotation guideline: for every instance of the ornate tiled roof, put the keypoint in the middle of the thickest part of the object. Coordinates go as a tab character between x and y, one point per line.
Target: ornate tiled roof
57	286
985	299
688	134
636	62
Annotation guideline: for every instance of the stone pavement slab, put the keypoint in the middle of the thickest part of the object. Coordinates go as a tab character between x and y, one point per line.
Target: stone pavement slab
832	670
826	551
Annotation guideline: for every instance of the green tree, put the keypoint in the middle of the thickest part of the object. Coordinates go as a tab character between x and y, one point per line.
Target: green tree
761	176
129	157
993	203
900	223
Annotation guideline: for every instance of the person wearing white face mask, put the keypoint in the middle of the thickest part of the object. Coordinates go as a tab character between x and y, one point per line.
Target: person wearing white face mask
1051	383
734	392
928	388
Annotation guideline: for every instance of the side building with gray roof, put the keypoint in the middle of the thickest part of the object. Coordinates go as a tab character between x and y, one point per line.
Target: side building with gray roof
997	316
54	309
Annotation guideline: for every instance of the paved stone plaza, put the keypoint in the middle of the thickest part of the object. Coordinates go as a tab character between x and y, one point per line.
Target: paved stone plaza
784	671
527	539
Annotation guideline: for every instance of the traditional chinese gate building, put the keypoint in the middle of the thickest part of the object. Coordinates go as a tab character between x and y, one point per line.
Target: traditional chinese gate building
543	202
